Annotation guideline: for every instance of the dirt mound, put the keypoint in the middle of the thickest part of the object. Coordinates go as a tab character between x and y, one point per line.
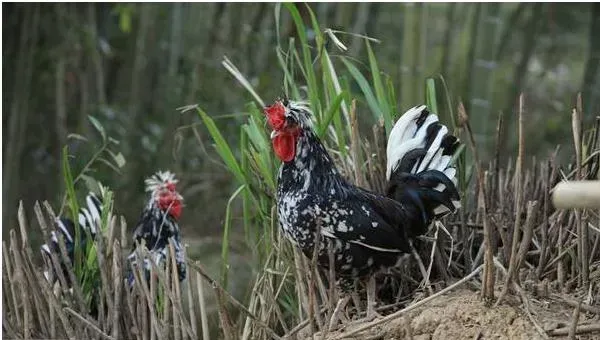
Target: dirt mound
461	315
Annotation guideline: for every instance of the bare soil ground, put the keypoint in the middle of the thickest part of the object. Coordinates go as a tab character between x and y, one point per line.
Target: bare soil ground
462	315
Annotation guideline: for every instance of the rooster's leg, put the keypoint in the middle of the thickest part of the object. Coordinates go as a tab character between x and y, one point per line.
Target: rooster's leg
356	300
335	317
371	298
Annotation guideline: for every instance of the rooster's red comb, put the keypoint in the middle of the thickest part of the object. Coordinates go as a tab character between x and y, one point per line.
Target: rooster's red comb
275	115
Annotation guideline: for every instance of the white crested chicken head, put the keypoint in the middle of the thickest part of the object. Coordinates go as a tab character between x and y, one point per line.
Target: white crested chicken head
162	187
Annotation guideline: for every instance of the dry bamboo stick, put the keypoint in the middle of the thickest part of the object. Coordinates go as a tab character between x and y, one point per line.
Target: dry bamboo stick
488	275
582	329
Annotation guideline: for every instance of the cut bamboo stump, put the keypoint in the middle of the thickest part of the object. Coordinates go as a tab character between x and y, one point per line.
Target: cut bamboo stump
576	194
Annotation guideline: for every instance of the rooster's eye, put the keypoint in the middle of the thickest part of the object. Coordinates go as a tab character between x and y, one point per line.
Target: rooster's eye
290	120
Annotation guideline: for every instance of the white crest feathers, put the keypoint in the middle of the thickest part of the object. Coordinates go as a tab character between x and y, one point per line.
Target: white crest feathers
158	180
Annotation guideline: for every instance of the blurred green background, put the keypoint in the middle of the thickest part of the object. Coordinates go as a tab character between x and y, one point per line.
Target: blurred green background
132	65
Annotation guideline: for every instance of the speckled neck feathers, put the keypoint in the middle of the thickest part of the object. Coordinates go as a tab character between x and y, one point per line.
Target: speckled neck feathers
311	169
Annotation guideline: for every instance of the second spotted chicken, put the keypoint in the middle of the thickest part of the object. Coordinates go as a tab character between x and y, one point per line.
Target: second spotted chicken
367	231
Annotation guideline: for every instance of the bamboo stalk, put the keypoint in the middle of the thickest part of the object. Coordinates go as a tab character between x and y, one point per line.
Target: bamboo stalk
448	39
19	109
518	185
480	84
527	234
28	270
577	121
20	277
575	320
191	311
8	281
590	79
117	284
202	302
582	329
488	262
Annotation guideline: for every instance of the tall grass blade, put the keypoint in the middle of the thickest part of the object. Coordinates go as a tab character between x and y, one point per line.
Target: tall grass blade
226	231
367	91
240	77
222	147
431	98
311	81
334	110
74	207
98	127
330	74
379	89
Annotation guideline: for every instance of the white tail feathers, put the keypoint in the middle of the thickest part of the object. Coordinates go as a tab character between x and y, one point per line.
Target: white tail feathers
403	130
434	149
418	143
411	132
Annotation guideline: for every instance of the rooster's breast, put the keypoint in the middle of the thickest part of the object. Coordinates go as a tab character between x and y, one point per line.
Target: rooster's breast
296	218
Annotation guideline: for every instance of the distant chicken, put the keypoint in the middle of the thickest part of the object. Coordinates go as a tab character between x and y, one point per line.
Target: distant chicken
158	223
366	231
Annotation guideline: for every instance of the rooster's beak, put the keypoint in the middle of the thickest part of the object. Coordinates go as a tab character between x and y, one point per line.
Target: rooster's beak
274	134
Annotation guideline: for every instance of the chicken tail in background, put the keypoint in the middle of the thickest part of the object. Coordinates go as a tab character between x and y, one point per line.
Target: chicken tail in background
90	217
419	170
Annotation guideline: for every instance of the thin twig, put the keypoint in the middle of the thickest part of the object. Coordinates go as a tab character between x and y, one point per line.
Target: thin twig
518	185
582	232
573	303
20	277
88	323
117	284
580	330
234	301
575	320
202	302
299	326
527	234
421	268
488	274
524	299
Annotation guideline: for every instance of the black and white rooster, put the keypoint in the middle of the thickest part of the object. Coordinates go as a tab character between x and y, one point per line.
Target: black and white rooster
366	231
159	223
